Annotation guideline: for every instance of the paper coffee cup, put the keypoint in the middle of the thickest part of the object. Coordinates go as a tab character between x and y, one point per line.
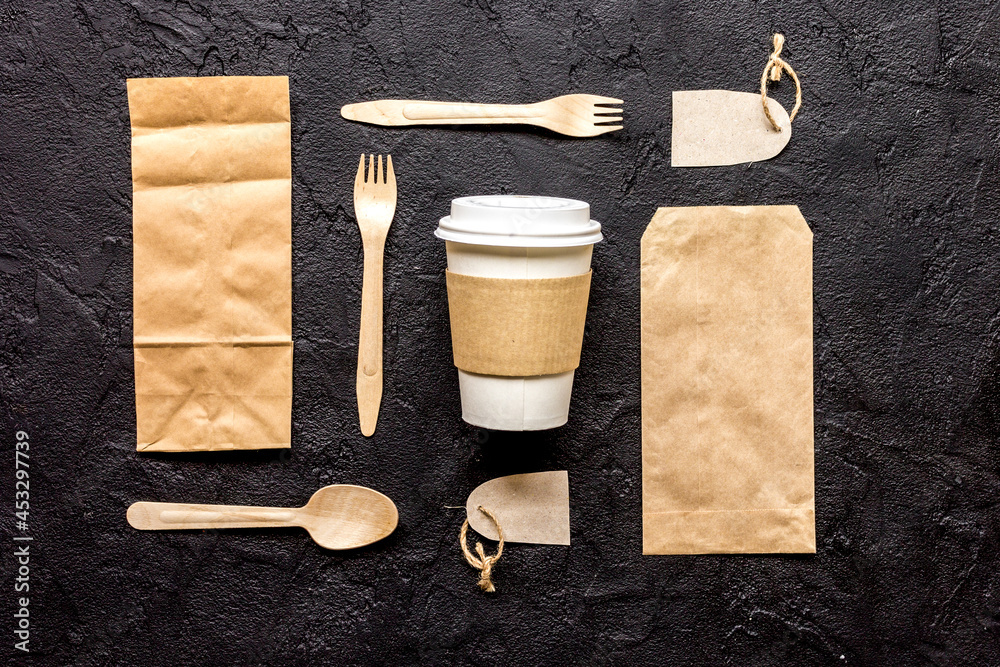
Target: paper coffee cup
515	237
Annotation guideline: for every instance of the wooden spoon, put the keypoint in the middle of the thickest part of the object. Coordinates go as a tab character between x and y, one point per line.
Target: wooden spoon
342	516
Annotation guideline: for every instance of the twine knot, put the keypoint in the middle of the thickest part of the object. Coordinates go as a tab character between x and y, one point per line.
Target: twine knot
772	62
483	563
772	71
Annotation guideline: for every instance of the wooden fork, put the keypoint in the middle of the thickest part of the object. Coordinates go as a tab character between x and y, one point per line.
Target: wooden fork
374	206
573	115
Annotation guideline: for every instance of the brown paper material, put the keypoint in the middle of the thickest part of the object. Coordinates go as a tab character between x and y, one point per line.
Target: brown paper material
722	127
517	327
727	382
531	508
211	175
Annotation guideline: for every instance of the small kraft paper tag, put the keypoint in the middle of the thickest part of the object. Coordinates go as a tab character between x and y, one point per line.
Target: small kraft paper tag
714	128
531	508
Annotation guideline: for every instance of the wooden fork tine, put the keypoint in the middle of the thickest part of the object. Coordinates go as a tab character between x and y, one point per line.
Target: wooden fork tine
599	99
371	170
597	130
390	176
359	179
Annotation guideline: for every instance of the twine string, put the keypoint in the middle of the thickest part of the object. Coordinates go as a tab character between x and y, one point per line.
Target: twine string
772	71
482	562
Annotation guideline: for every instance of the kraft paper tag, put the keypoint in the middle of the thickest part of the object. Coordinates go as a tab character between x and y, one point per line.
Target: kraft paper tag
211	177
722	127
727	381
532	508
517	327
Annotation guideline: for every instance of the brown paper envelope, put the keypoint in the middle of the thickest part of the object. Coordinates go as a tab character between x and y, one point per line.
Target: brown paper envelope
727	411
533	507
211	174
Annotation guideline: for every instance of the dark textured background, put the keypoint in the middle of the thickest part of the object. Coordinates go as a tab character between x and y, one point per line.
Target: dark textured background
893	161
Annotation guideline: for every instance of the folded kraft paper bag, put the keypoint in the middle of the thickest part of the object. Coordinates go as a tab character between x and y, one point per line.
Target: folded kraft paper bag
727	381
211	177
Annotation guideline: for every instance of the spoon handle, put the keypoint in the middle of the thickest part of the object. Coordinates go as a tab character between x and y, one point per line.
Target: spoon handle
183	516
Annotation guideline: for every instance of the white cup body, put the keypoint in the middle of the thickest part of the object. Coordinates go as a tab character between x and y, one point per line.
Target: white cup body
516	403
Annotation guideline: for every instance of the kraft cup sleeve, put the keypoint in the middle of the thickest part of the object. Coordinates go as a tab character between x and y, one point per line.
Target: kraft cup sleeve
517	327
211	179
727	381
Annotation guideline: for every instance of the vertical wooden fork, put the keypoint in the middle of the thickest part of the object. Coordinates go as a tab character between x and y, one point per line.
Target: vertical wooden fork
374	206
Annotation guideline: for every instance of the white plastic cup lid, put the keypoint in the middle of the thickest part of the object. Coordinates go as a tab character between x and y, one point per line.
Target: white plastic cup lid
520	221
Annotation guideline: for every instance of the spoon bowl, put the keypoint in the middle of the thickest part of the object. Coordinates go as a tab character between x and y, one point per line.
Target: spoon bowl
344	516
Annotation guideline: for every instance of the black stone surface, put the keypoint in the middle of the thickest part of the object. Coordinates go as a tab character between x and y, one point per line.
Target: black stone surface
894	162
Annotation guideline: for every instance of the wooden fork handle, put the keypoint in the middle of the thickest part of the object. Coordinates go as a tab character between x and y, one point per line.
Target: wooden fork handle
460	111
183	516
369	383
